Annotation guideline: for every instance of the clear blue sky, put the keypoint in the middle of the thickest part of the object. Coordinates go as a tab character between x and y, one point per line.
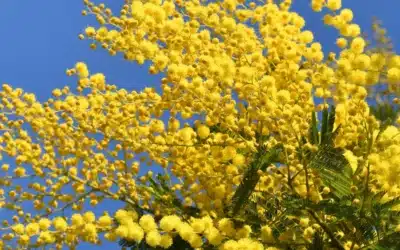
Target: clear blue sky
38	42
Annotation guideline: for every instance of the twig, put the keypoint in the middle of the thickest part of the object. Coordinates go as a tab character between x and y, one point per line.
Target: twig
325	227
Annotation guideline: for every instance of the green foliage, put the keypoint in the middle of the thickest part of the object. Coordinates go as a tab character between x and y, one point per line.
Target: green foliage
313	133
333	169
329	161
385	112
374	223
251	177
326	134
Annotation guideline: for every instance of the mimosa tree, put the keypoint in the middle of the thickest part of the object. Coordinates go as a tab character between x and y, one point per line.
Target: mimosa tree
258	139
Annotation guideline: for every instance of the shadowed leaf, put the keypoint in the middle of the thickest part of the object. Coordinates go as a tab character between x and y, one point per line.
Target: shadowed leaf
250	179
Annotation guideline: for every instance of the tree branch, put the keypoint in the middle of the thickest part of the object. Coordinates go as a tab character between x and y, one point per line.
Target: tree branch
325	227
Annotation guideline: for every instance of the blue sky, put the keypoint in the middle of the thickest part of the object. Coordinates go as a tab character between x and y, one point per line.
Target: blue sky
39	41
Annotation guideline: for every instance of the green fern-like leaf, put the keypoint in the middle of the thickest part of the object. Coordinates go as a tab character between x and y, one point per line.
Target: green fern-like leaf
330	125
313	133
327	133
390	241
245	189
342	209
333	169
324	126
385	112
328	121
388	206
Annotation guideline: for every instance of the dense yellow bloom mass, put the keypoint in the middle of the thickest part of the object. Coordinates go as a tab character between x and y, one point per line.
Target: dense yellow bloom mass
240	79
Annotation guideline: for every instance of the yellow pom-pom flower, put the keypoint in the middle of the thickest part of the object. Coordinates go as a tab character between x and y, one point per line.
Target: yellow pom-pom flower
18	229
19	171
197	225
244	232
77	220
165	241
203	131
44	223
334	4
147	223
308	233
186	134
90	31
346	15
81	70
393	75
214	236
60	224
122	231
304	222
228	153
227	227
306	36
105	221
196	241
169	223
266	234
32	229
153	238
89	217
358	45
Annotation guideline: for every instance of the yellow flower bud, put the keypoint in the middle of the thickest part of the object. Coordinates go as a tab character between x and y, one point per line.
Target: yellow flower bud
5	167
